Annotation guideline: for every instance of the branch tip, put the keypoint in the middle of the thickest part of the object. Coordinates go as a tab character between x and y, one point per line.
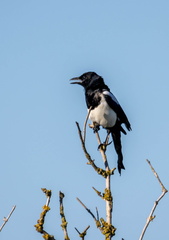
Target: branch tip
41	220
5	219
63	218
164	191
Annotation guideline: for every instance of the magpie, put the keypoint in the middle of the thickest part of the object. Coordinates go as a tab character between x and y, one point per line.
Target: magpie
105	110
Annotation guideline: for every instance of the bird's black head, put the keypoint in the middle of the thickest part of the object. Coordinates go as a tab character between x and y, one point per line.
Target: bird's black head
89	80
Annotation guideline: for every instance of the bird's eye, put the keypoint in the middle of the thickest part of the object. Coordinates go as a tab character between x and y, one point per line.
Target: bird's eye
84	77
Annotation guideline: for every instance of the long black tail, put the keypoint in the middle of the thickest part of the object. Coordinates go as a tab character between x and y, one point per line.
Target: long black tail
116	135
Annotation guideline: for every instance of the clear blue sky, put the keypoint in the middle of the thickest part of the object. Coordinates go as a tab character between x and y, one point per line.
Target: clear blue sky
42	45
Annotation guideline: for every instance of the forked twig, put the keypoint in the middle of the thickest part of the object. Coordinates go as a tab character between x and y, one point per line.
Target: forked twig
82	234
6	219
100	171
105	227
164	191
108	230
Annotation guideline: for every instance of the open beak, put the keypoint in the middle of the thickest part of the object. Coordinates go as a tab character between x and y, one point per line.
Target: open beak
77	80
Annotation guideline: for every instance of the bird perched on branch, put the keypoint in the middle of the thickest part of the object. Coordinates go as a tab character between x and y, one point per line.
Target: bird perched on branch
105	110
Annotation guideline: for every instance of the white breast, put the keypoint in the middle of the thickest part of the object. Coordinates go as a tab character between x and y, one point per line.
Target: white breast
103	115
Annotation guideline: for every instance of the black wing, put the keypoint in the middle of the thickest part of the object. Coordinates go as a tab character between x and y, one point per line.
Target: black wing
114	104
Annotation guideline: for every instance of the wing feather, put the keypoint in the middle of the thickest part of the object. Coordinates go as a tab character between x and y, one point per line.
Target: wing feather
114	104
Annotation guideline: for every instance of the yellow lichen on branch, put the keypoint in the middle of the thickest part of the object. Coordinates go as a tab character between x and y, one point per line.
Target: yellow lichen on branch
63	218
106	195
83	234
108	230
40	222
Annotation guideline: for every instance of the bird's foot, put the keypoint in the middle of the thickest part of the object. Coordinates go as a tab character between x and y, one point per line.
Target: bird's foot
103	146
95	127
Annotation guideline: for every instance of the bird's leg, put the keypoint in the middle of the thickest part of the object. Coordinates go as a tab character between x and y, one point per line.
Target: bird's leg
107	138
106	142
95	127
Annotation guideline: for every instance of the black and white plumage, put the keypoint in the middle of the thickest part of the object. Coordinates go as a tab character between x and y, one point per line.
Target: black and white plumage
105	109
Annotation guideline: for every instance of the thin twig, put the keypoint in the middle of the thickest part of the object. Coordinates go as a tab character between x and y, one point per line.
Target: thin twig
87	209
85	123
164	191
97	212
6	219
83	234
102	150
98	193
156	175
77	231
108	230
63	218
107	138
91	162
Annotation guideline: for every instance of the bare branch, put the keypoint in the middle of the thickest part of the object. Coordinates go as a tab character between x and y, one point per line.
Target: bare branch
6	219
106	227
87	209
156	175
108	230
109	203
85	123
98	224
48	194
151	216
63	218
40	222
98	193
91	162
102	149
83	234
